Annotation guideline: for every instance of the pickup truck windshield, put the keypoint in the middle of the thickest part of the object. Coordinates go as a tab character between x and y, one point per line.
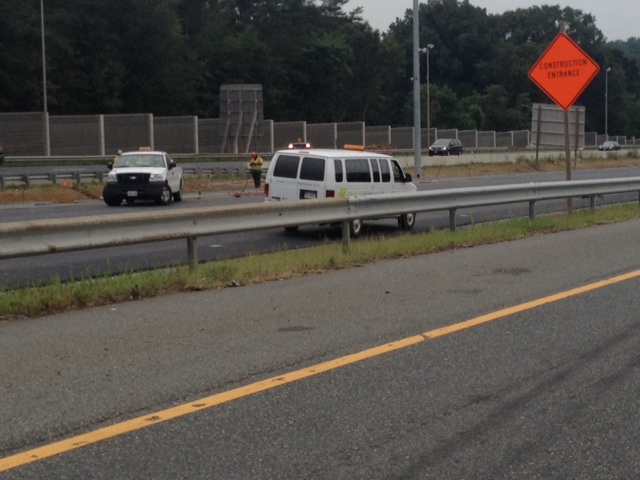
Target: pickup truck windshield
140	161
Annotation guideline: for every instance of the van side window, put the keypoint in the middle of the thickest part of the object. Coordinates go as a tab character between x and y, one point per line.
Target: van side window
357	170
375	169
338	170
286	166
384	168
398	175
312	169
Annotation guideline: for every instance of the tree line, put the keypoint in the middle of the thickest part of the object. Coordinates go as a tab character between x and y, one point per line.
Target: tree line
315	61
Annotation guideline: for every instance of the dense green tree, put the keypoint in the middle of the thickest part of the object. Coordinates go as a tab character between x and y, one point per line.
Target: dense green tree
470	113
497	111
315	61
361	95
443	107
20	56
630	47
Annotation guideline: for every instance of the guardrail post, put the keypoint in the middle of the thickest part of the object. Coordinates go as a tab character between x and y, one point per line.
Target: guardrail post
53	178
452	219
2	181
26	180
592	203
192	252
346	236
77	176
532	210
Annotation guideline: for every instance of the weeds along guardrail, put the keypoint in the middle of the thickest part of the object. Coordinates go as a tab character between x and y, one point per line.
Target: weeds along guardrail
39	237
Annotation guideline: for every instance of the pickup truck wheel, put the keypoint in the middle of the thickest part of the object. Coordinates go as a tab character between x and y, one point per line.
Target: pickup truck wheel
407	221
165	197
112	201
177	197
355	227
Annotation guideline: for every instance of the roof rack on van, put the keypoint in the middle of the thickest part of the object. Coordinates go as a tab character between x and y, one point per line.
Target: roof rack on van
359	148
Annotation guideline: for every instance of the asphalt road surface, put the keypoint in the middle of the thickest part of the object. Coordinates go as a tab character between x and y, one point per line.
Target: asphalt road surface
507	361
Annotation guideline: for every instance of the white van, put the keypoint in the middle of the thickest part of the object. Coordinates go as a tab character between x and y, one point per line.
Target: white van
322	173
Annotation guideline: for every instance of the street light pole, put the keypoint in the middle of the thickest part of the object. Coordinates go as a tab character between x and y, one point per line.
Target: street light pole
47	143
417	140
606	103
429	47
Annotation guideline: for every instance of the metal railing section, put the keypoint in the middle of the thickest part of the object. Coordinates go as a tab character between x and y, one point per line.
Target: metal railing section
39	237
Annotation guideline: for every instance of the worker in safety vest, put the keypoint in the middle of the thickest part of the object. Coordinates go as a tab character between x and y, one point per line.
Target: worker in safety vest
255	167
115	159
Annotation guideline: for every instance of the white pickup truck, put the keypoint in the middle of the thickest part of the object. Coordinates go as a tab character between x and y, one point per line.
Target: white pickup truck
143	176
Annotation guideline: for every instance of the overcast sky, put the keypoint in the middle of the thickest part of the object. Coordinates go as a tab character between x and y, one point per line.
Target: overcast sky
616	19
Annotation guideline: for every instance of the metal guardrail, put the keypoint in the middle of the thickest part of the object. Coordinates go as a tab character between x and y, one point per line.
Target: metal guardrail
53	178
40	237
80	176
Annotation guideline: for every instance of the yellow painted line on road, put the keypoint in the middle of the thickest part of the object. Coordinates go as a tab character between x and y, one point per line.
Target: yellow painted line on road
90	438
474	322
139	423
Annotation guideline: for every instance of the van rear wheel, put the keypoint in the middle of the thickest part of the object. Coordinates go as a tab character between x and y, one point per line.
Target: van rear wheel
407	221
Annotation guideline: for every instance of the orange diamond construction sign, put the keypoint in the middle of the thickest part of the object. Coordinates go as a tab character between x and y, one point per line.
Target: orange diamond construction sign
563	71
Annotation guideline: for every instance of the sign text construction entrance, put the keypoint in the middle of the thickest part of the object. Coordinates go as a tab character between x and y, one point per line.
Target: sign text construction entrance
563	71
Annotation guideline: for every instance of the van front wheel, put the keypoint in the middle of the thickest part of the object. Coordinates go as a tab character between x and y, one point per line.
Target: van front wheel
407	221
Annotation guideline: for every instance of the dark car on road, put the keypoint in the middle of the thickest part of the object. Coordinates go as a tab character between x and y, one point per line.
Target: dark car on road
446	146
608	146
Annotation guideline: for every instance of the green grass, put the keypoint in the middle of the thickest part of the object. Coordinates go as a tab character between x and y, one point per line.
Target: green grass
104	290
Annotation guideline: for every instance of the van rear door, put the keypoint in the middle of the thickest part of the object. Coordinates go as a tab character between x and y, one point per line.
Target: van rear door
312	178
282	177
295	177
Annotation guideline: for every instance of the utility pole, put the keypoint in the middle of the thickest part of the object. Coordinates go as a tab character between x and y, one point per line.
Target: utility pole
47	142
417	138
606	103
